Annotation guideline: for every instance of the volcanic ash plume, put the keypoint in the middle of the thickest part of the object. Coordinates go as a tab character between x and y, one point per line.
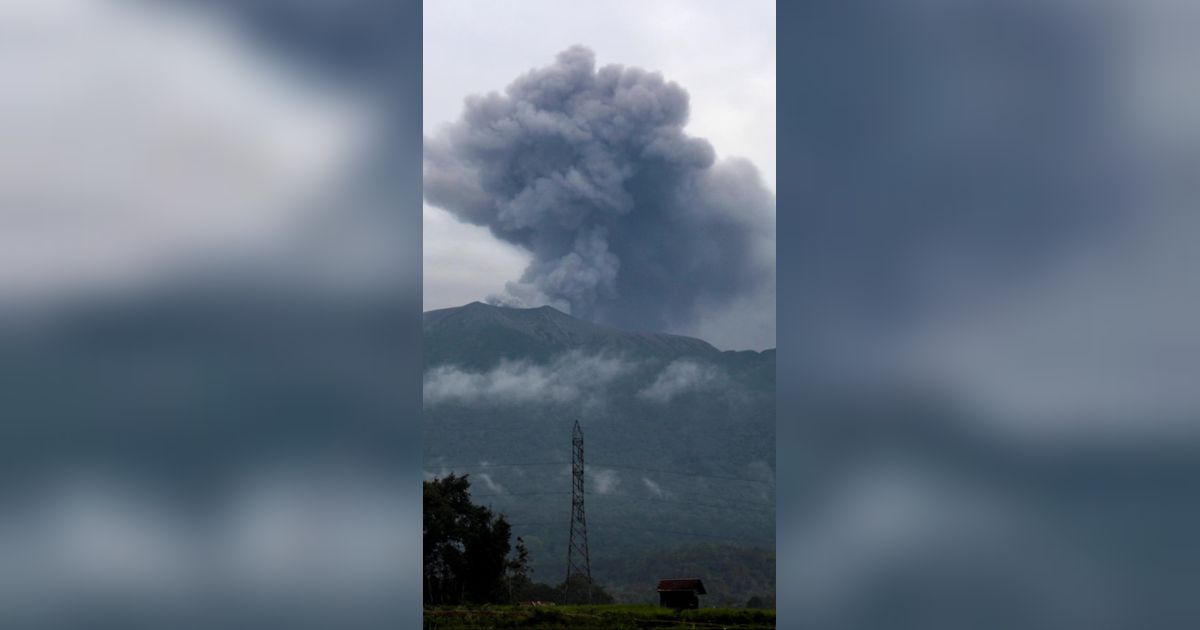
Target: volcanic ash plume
630	221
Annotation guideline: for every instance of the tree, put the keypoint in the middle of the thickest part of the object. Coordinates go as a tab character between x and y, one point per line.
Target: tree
518	580
465	546
466	554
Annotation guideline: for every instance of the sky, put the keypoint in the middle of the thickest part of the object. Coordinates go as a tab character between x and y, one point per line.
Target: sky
722	54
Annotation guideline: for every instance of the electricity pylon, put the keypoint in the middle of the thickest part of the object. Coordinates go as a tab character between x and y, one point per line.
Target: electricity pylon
578	561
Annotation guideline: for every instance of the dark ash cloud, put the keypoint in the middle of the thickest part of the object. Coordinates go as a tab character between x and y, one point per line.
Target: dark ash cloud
630	221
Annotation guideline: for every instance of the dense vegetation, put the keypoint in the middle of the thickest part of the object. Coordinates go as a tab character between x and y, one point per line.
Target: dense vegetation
466	547
610	617
468	558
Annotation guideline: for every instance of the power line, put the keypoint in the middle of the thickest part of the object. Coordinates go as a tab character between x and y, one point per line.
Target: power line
751	504
673	532
519	494
601	527
766	503
760	505
683	473
503	465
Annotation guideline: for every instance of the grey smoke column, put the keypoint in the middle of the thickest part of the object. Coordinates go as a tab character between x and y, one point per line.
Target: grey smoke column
630	220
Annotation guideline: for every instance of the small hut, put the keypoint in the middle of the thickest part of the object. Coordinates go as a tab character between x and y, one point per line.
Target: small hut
680	593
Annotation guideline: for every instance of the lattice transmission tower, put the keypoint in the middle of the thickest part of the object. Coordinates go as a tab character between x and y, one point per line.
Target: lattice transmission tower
578	561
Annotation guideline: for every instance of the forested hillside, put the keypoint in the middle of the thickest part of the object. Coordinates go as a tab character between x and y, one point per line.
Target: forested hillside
679	443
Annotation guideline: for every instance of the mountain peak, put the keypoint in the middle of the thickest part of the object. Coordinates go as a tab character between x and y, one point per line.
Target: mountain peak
479	333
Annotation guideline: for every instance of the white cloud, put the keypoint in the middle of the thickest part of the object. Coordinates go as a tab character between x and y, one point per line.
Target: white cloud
604	481
680	376
573	376
491	485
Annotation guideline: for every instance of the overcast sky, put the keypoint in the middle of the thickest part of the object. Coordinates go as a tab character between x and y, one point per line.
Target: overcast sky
722	53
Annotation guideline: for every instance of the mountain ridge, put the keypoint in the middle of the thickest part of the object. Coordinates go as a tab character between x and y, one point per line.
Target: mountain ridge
466	334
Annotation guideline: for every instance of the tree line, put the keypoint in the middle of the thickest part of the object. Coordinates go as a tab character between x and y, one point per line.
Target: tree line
469	557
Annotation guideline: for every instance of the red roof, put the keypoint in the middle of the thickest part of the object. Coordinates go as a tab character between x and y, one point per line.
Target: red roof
682	584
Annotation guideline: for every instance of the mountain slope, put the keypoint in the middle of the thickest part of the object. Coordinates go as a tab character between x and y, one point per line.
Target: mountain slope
680	436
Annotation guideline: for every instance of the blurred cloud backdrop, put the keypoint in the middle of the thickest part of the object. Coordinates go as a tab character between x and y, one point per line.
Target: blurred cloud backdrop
209	276
209	302
991	314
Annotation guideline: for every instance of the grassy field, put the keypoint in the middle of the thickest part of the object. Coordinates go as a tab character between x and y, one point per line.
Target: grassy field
615	617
